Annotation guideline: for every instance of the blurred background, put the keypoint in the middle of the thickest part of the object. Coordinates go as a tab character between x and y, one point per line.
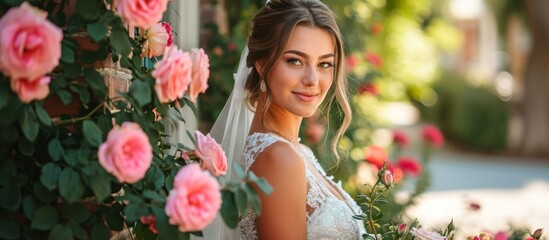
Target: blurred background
478	70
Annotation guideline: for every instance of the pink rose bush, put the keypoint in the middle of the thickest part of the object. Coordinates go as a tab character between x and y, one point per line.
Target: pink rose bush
141	13
194	200
127	153
157	38
172	74
30	47
200	73
212	155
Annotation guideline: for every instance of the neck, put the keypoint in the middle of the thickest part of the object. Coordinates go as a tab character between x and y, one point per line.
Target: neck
277	120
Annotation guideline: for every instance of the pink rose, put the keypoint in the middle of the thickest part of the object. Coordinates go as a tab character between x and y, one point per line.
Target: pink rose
400	138
156	40
432	135
501	235
194	200
141	13
409	166
211	153
376	155
30	45
426	234
28	90
172	74
127	153
201	73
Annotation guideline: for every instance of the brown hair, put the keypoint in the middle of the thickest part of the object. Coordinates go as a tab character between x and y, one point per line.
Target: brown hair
271	29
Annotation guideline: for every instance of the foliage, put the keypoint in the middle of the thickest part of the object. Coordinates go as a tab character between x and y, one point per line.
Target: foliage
51	182
474	117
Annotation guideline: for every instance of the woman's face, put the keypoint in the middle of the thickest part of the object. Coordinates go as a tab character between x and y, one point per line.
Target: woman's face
301	77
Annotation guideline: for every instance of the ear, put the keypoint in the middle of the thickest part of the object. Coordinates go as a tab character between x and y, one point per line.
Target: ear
259	67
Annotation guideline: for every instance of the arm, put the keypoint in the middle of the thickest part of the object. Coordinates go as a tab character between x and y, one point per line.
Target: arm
283	213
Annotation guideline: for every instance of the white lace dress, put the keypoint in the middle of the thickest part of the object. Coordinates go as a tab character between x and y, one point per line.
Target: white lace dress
328	217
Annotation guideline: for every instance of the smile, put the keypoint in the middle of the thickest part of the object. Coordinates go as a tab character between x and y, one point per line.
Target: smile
305	96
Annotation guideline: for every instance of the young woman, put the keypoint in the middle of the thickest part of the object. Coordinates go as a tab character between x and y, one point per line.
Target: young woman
294	64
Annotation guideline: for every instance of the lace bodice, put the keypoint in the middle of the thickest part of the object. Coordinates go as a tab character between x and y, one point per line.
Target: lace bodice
328	217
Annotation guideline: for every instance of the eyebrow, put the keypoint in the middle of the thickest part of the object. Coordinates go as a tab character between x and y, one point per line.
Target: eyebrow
302	54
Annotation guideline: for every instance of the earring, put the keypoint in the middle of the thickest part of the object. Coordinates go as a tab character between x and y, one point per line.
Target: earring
262	86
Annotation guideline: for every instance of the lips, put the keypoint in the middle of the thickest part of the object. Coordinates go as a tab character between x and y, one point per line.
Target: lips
306	96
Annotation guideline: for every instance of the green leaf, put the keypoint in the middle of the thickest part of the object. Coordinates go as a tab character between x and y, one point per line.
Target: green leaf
30	204
42	114
8	169
45	218
133	211
97	31
67	54
95	80
25	147
60	232
43	194
192	106
253	198
241	199
165	230
229	211
9	229
141	91
50	175
261	183
239	171
78	231
100	185
55	149
4	97
75	212
92	133
10	197
120	41
65	96
29	124
115	220
83	92
88	9
100	232
153	196
72	70
70	185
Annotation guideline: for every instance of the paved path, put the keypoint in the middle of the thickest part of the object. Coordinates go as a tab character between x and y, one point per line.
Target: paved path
509	190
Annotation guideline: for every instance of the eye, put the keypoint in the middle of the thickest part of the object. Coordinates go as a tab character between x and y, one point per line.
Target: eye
294	61
325	65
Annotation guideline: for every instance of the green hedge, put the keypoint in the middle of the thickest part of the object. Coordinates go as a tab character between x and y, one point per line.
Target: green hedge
474	117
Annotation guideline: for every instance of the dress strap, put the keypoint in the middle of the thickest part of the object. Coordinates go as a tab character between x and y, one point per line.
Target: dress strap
255	144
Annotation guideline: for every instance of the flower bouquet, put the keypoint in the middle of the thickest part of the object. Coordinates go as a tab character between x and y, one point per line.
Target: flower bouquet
86	90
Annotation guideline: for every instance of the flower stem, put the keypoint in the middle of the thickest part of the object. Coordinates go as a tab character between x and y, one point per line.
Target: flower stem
77	119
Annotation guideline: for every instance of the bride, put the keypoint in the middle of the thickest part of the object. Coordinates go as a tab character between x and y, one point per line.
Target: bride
292	64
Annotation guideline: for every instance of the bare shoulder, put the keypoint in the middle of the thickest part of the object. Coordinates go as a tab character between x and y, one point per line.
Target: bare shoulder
283	212
279	159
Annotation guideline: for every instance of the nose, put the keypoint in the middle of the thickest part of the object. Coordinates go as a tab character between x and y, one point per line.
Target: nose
311	76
